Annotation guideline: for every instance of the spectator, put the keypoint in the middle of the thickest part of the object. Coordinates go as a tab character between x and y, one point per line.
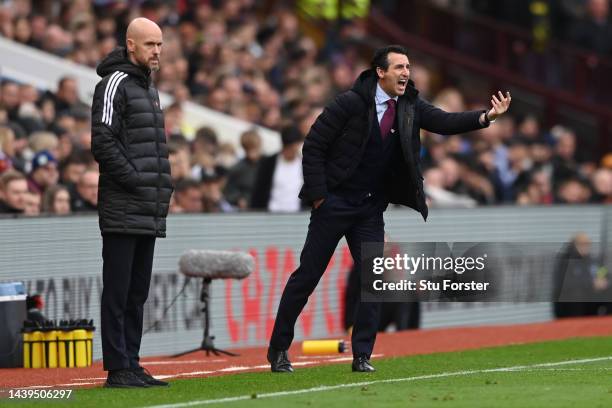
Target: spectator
241	177
44	172
85	196
188	197
421	76
5	163
20	146
13	190
529	130
67	96
573	191
602	186
212	187
564	163
519	164
308	120
178	155
44	141
32	204
23	31
594	32
28	94
9	101
7	141
74	166
56	200
35	305
205	147
226	156
575	287
450	100
173	119
438	196
279	177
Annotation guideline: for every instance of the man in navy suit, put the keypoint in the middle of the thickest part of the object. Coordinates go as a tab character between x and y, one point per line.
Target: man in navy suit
361	154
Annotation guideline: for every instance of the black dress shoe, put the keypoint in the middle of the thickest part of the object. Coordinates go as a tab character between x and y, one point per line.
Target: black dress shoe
148	379
362	364
124	379
279	361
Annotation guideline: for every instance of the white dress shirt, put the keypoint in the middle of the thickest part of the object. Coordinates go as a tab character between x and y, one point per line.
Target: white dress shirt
286	185
381	99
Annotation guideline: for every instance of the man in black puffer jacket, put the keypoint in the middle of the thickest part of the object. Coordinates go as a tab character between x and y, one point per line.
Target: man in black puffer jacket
361	154
129	143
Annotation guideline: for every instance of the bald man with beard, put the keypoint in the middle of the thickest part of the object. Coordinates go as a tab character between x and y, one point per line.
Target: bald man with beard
134	189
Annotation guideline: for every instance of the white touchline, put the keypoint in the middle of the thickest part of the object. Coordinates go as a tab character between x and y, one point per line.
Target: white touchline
75	384
179	362
363	383
183	374
334	357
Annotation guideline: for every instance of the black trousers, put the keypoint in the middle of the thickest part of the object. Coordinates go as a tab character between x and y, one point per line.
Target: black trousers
126	277
359	221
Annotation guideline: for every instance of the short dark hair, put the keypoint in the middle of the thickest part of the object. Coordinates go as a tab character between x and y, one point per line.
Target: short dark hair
291	134
207	134
78	156
186	184
63	80
380	58
6	82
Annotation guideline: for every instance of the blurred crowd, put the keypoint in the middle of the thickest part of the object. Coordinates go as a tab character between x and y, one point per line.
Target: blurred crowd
265	70
583	23
224	55
514	161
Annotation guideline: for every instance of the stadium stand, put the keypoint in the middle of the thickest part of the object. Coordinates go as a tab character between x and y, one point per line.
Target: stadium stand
275	65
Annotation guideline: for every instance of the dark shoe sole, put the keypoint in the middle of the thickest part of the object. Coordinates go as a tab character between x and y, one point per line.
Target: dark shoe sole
357	370
281	371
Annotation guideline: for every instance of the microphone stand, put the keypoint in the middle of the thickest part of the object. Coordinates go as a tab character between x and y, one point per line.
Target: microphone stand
207	343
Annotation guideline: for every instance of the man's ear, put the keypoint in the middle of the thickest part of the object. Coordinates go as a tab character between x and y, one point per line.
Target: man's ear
380	72
130	45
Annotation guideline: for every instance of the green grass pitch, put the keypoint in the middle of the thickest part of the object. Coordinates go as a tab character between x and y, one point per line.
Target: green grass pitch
571	373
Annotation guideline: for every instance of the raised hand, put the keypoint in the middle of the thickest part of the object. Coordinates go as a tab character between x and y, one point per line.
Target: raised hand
499	105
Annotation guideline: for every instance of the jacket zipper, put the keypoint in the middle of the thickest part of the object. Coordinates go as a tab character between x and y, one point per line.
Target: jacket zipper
158	161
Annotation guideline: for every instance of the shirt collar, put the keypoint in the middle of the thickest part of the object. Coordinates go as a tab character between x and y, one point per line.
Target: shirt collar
381	96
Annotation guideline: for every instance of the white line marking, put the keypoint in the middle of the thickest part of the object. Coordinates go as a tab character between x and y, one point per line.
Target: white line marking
567	369
233	369
179	362
364	383
334	357
186	374
81	383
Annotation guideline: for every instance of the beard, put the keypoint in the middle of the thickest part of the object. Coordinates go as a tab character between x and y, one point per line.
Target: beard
153	65
150	64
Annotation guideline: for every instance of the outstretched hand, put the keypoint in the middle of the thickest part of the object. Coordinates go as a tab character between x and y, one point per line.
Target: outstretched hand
499	106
